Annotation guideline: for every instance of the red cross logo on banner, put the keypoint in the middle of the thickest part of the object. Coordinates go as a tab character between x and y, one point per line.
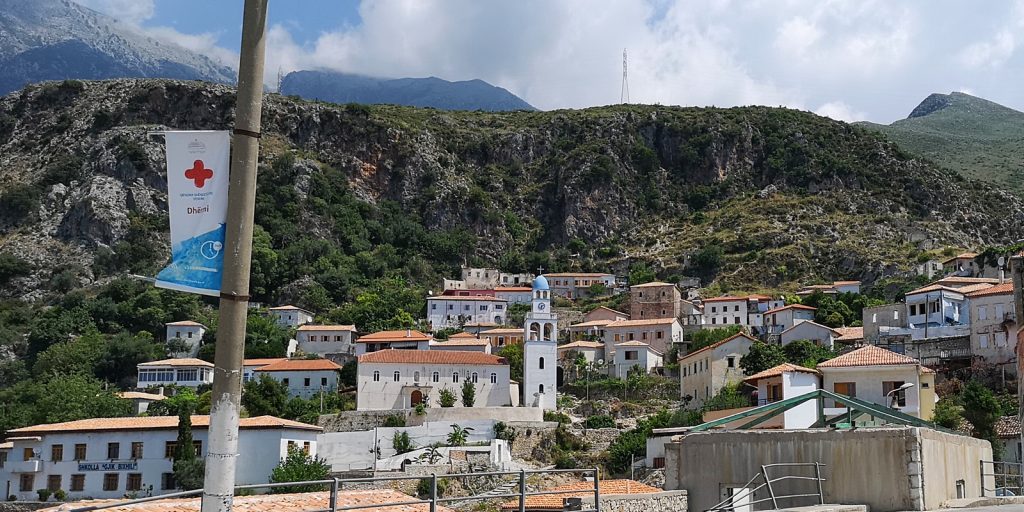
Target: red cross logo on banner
199	173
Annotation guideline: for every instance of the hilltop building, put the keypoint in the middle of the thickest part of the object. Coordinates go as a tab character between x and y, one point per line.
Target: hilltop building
573	285
187	372
189	333
304	378
703	373
453	311
403	379
402	340
290	316
324	340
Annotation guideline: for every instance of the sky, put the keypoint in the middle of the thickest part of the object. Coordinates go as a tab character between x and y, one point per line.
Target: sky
847	59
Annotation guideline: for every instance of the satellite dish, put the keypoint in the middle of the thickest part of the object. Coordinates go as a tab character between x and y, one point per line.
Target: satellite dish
1002	261
600	361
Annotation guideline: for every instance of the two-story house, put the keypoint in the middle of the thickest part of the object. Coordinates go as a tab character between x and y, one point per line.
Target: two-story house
188	333
573	285
404	340
704	372
994	326
304	378
290	316
326	339
187	372
453	311
883	377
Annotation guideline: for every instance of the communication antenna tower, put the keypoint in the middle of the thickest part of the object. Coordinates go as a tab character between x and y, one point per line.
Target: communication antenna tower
280	78
624	95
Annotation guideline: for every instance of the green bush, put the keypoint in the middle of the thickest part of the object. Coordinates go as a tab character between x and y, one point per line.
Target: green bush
447	398
402	443
44	494
468	394
423	488
556	416
394	420
599	421
60	495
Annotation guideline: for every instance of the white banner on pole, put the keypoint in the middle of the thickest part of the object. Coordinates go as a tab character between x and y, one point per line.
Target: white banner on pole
197	200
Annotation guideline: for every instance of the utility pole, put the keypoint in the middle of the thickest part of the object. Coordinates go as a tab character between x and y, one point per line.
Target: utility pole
1017	271
222	455
624	94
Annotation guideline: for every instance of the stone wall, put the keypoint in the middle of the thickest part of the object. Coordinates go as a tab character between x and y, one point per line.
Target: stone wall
25	506
529	435
669	501
599	438
464	414
355	421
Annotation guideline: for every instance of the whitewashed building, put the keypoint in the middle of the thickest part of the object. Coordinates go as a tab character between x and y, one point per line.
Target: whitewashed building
187	372
290	316
304	378
190	333
810	331
514	294
573	285
107	458
747	311
632	354
462	341
249	366
659	333
401	379
326	339
779	319
453	311
876	375
783	382
401	340
592	351
994	326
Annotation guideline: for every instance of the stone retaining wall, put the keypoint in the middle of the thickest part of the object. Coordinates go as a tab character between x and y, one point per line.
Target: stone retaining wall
669	501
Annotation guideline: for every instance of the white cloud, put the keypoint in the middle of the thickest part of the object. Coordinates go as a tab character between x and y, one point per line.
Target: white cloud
204	44
129	11
840	111
855	59
991	53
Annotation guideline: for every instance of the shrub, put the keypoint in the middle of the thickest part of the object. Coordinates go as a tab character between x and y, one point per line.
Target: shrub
599	421
394	420
468	394
565	460
402	443
60	495
447	398
556	416
299	466
44	494
505	432
423	488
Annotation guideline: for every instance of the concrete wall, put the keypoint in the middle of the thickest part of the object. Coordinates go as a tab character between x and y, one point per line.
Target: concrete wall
346	451
669	501
888	469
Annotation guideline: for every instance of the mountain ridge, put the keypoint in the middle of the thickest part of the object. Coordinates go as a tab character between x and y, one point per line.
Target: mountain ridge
337	87
59	39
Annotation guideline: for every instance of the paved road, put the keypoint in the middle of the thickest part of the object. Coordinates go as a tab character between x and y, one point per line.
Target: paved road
991	508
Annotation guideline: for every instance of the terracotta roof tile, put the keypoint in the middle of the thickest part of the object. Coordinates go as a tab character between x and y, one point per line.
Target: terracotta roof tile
138	395
263	361
378	337
718	344
850	333
393	356
187	323
724	298
779	370
839	283
653	284
966	280
7	446
999	289
288	307
297	502
154	423
581	490
592	323
606	308
791	306
460	342
961	256
641	323
300	365
503	330
311	327
836	332
1008	426
636	343
869	355
581	344
184	361
462	335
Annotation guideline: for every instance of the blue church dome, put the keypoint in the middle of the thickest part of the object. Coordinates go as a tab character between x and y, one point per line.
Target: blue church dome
540	283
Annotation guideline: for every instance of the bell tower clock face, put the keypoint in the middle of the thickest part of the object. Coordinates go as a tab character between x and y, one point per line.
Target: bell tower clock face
541	306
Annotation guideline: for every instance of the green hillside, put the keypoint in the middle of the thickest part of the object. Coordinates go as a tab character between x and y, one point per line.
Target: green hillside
973	136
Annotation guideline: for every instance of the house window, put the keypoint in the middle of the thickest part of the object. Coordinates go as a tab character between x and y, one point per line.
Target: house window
416	376
643	335
1000	338
80	452
397	376
632	355
713	310
466	307
934	307
845	388
899	397
540	389
896	314
982	313
305	382
483	308
137	450
455	377
714	320
736	320
198	447
284	381
376	376
77	482
188	375
167	482
629	336
983	340
498	307
451	307
337	338
735	308
541	363
435	377
169	448
27	454
57	452
475	377
433	307
730	362
177	334
999	312
190	334
134	482
53	482
113	451
659	335
323	381
110	481
26	482
305	447
494	378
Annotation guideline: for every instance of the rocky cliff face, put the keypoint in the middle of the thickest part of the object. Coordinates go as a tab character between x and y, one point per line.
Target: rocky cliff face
750	197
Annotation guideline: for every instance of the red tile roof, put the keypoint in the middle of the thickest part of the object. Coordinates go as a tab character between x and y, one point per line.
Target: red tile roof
580	490
311	327
966	280
297	502
592	323
961	256
153	423
184	361
138	395
850	333
725	298
406	335
653	284
263	362
718	344
791	306
289	307
869	355
503	330
300	365
187	323
393	356
779	370
641	323
513	289
999	289
581	344
1008	427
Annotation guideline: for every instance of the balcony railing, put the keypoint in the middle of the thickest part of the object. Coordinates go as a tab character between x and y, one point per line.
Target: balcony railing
24	466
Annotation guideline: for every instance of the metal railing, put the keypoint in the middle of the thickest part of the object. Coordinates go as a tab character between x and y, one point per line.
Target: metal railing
1007	478
433	499
745	498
